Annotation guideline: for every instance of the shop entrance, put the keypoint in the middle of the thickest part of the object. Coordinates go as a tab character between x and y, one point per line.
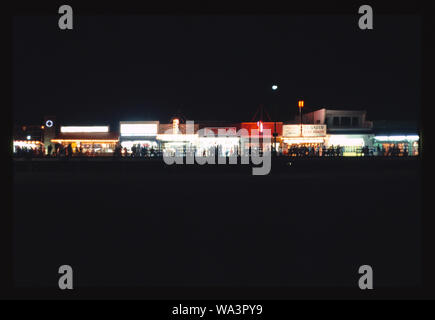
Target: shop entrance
303	146
396	149
140	147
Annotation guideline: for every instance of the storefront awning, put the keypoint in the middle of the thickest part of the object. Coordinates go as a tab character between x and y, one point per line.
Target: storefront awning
397	138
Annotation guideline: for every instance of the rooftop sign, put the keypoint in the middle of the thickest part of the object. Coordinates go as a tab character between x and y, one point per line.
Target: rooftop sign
139	128
84	129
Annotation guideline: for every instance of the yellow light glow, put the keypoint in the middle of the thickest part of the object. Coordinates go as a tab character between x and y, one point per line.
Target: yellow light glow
175	126
27	141
304	140
350	154
83	140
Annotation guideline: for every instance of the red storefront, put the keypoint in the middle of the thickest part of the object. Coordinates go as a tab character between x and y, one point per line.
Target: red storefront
266	131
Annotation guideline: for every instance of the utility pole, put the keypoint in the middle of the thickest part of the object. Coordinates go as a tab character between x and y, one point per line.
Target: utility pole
275	134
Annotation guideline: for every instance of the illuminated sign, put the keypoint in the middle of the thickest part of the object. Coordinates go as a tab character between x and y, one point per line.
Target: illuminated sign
308	130
301	103
84	129
49	123
139	128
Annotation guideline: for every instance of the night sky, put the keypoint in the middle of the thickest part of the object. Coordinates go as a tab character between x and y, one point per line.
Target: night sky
113	68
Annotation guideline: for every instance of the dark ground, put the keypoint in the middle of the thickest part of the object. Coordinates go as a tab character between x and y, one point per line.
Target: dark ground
143	224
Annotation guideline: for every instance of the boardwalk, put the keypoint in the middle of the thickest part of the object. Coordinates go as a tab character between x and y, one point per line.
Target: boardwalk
135	223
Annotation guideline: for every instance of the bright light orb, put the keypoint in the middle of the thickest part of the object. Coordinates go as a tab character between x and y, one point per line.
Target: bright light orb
274	87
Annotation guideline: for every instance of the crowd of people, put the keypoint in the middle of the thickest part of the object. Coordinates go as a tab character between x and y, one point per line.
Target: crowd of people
27	152
138	151
313	151
58	151
337	151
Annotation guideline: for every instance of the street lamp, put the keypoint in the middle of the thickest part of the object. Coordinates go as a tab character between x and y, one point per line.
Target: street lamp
300	105
275	134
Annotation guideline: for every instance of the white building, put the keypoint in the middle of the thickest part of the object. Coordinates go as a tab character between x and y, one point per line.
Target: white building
138	133
349	129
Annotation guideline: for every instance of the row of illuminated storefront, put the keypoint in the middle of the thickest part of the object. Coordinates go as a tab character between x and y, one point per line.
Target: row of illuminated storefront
153	137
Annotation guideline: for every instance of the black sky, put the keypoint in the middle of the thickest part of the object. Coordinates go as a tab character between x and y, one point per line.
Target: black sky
112	68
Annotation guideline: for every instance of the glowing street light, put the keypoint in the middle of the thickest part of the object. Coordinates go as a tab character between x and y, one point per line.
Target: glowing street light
274	87
300	105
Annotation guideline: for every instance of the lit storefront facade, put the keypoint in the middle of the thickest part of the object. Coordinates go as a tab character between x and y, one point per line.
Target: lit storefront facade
139	134
405	144
28	137
351	144
306	135
27	144
222	139
177	138
398	137
261	133
87	140
348	131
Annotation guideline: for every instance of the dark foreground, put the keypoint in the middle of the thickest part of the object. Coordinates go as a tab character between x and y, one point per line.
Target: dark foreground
145	224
